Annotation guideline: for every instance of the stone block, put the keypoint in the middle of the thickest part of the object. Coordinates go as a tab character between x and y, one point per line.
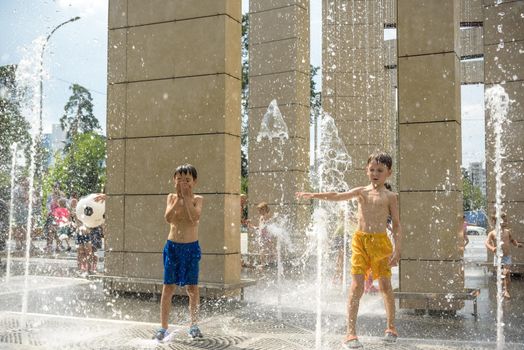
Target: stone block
279	56
155	11
208	45
265	5
115	166
504	23
117	14
426	26
145	227
349	59
368	107
219	229
359	36
116	56
495	2
115	230
295	116
357	84
360	132
471	72
431	225
276	187
287	88
432	276
144	265
471	11
182	106
429	88
358	12
279	24
219	268
471	41
151	52
150	163
113	263
439	168
504	63
116	110
276	155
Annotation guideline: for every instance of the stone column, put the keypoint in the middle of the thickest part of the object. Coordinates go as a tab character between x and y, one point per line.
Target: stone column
354	79
173	98
430	150
504	65
279	69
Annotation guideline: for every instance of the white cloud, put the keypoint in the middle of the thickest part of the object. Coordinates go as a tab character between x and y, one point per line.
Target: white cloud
86	8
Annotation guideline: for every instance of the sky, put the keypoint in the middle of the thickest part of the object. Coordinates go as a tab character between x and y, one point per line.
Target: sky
77	53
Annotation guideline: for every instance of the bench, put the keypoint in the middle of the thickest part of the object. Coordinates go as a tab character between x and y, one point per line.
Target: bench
149	285
467	294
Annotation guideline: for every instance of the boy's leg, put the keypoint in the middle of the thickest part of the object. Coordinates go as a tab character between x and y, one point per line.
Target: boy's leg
355	293
389	301
506	281
165	304
194	302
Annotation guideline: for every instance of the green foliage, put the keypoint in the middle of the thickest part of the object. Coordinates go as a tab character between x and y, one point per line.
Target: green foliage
82	168
244	127
473	198
78	117
315	97
13	127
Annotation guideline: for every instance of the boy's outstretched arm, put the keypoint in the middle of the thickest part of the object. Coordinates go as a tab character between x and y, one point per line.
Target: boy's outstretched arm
330	196
396	229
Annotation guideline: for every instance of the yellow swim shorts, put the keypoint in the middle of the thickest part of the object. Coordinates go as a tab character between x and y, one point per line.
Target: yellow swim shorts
371	251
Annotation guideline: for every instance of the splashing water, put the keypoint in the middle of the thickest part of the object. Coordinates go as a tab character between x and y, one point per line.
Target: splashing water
11	206
497	102
273	125
29	75
333	164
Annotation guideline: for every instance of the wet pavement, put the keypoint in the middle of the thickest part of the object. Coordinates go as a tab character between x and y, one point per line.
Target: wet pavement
65	311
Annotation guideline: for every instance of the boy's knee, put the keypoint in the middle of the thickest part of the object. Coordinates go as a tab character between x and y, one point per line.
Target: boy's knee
191	290
168	289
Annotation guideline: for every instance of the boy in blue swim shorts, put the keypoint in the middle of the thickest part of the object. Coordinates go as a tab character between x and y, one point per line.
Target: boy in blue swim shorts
182	252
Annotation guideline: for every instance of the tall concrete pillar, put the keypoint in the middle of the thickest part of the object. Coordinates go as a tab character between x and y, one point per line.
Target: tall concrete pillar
504	65
279	69
354	79
173	98
430	150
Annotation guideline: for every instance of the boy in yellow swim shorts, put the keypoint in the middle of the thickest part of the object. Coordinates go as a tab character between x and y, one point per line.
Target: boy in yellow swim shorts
372	251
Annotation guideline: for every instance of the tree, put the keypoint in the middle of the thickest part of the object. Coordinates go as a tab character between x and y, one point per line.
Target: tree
78	117
244	127
13	127
82	168
473	198
315	97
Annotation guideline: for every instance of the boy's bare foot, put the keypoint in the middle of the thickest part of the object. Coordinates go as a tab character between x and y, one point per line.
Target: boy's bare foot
352	342
506	294
391	336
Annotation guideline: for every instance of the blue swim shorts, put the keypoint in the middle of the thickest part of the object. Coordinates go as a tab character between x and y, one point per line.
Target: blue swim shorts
181	263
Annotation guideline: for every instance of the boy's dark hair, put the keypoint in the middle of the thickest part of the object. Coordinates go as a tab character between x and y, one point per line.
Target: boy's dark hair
388	186
381	158
185	170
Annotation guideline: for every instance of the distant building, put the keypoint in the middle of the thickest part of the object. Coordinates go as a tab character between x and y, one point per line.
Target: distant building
53	142
477	174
